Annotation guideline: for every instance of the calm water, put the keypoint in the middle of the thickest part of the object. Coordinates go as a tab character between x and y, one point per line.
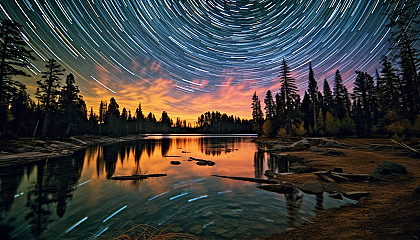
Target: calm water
73	197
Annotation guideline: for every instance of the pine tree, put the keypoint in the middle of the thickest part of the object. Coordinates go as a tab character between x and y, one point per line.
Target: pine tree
270	106
288	87
48	90
341	98
388	88
328	97
364	91
313	93
404	24
14	56
68	100
257	114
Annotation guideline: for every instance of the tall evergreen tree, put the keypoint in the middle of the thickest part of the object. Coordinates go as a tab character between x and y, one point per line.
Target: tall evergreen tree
328	97
68	101
257	114
404	25
313	93
48	90
364	92
341	99
270	106
388	86
289	88
14	56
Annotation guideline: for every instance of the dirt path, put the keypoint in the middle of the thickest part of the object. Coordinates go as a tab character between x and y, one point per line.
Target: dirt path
392	210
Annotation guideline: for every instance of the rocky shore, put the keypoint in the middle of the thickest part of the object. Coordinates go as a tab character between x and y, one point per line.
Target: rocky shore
24	150
382	175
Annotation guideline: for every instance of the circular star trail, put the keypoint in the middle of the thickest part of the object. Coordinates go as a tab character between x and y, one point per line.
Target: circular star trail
201	46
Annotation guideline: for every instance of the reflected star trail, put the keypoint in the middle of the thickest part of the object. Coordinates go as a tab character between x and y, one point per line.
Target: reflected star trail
190	56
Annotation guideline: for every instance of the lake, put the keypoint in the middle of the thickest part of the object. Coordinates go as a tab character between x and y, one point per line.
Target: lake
74	197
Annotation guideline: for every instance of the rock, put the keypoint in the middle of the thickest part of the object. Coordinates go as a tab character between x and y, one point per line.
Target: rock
355	195
336	196
312	188
175	162
279	147
338	170
333	152
300	145
299	168
315	149
332	187
201	163
287	157
388	168
284	187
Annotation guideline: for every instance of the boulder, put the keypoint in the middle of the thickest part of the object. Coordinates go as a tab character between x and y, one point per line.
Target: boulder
387	168
332	187
312	188
333	152
338	170
355	195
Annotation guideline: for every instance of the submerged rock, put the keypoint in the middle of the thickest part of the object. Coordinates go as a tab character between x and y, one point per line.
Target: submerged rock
388	168
312	188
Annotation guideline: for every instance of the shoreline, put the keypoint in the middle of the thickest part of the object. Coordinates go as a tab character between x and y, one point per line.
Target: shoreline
26	150
392	209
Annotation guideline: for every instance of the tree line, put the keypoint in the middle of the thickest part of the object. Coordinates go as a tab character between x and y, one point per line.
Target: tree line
389	106
61	111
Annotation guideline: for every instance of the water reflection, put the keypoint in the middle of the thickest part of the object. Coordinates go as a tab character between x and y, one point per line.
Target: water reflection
51	198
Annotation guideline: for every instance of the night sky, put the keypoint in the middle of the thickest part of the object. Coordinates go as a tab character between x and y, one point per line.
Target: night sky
191	56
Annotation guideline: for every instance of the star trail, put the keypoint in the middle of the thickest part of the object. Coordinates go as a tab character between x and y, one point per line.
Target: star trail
190	56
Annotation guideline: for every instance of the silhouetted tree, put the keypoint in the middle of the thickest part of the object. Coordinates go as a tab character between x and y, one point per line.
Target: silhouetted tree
313	93
404	25
72	105
291	98
14	56
48	90
364	92
328	97
257	114
270	106
341	98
